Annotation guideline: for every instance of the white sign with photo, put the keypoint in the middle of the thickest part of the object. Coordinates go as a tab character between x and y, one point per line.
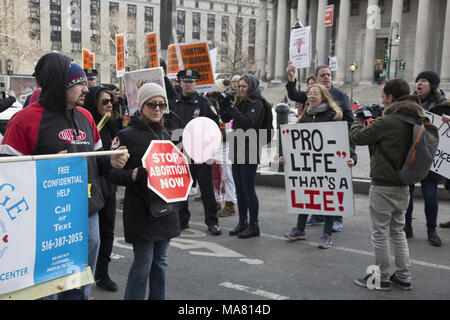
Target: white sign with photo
300	47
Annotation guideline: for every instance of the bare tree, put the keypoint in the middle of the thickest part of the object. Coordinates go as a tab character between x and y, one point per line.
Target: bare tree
19	32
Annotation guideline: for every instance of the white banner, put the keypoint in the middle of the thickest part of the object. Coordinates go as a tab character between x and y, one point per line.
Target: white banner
135	79
43	221
300	47
441	163
318	179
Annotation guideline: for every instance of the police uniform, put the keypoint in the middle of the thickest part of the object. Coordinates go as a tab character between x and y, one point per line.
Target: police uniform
182	110
91	75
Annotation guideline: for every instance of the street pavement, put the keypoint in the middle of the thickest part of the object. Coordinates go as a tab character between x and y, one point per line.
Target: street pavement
206	267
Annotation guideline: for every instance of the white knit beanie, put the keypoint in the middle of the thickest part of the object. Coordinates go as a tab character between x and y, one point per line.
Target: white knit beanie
149	90
221	87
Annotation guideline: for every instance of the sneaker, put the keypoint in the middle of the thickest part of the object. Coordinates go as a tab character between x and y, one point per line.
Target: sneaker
400	284
295	234
337	226
325	242
228	210
362	282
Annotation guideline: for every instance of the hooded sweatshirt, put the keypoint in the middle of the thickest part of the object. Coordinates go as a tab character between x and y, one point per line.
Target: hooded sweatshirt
47	127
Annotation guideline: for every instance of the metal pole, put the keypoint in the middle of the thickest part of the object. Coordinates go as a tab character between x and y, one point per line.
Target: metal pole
61	155
351	90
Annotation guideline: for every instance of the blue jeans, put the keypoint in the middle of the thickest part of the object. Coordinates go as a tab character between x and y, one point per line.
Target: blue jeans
149	266
93	248
244	176
429	192
327	227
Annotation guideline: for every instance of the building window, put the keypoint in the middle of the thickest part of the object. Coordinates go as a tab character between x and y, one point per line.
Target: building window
148	19
113	9
251	40
55	25
354	11
225	7
131	11
75	33
196	4
406	5
35	20
196	17
224	38
112	73
239	9
211	29
181	3
95	25
211	5
181	22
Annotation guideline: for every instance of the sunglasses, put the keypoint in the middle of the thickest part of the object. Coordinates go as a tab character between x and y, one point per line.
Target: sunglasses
106	101
152	105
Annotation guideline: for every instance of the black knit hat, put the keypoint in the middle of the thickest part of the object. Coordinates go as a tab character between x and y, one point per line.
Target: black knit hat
431	76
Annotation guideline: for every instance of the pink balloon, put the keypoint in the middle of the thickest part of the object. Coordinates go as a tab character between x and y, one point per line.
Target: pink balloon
201	139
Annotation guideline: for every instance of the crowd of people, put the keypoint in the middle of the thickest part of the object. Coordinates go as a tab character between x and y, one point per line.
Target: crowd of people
69	97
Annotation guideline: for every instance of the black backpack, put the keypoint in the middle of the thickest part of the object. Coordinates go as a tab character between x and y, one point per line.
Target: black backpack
267	124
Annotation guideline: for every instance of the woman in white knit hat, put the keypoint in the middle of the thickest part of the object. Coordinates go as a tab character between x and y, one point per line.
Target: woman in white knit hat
149	222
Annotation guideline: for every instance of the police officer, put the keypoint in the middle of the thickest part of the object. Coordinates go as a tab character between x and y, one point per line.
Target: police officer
187	105
91	76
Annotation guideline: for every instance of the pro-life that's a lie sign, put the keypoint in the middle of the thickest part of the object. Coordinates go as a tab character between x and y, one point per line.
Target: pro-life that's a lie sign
318	179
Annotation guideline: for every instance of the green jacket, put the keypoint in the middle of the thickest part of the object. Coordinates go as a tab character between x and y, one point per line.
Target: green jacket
392	135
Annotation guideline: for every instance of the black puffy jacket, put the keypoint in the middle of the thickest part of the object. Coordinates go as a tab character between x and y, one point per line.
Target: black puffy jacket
139	224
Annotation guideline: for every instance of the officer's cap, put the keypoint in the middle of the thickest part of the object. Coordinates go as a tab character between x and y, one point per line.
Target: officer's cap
91	73
188	75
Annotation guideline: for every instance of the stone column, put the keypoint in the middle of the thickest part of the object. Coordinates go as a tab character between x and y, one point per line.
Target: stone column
422	35
85	24
397	10
281	45
445	68
272	40
261	40
341	43
301	11
369	51
321	42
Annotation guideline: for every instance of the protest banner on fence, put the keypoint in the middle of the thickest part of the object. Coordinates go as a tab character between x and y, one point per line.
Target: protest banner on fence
88	59
120	55
196	57
441	163
43	221
318	179
135	79
151	41
173	67
300	47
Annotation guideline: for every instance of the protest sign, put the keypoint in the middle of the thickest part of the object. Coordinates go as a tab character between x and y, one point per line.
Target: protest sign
120	55
332	63
88	59
196	57
43	221
173	66
300	47
329	13
318	179
151	41
135	79
441	163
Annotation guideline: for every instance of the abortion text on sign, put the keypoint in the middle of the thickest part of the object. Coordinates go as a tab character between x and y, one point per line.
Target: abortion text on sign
318	179
441	163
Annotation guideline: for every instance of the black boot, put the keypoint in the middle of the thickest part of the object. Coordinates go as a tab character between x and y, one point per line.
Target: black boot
252	230
239	228
433	237
408	231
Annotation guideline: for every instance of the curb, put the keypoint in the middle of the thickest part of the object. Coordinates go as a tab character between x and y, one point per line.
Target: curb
360	185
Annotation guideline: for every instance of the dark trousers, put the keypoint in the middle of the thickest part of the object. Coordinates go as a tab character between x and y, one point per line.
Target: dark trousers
244	176
203	174
107	220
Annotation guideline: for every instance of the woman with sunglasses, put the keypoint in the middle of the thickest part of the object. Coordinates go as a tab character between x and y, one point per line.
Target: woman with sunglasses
99	101
148	231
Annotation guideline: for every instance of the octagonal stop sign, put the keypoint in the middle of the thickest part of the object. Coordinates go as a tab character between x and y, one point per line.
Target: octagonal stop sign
168	171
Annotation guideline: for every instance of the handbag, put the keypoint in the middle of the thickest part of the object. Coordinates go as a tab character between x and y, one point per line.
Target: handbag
159	208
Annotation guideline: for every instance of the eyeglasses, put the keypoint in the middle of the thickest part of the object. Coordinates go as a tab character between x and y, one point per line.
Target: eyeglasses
106	101
152	105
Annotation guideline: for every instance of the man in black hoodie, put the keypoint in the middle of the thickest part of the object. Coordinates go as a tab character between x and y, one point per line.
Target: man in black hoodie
57	124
